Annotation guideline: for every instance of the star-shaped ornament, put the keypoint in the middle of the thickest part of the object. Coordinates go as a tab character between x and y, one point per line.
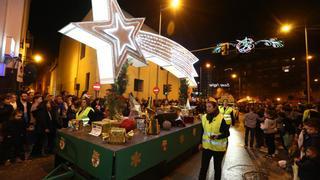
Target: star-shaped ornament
112	35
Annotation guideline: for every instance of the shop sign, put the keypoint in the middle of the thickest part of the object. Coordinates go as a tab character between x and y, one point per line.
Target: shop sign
222	85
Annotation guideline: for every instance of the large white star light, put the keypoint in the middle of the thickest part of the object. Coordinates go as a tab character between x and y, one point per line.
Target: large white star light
112	35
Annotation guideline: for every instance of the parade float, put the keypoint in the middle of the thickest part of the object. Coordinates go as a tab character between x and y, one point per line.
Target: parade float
123	147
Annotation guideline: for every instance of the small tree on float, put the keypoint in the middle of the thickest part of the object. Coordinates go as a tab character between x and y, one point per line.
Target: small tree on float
183	91
115	100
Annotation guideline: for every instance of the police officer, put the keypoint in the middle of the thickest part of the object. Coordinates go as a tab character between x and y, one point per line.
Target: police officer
85	113
227	112
214	139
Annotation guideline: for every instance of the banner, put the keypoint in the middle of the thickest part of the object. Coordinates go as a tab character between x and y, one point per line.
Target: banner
20	72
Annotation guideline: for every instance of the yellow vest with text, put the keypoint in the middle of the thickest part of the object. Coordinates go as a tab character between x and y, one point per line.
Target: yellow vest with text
84	115
210	129
226	114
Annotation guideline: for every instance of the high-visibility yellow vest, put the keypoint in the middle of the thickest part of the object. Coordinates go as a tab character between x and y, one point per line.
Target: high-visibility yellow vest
84	115
306	114
210	129
226	114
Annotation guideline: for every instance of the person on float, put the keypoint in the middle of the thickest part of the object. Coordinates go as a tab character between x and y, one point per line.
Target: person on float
85	112
214	139
227	112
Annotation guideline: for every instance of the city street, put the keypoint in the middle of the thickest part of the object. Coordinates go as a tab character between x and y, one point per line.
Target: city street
116	89
239	163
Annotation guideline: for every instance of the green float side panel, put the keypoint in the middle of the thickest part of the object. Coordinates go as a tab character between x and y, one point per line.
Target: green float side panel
125	162
136	159
181	141
131	161
81	153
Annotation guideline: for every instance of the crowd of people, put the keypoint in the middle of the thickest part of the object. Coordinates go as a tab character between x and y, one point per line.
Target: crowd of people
29	121
297	128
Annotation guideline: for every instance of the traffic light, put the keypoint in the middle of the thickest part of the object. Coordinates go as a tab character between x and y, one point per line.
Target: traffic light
224	49
166	89
169	88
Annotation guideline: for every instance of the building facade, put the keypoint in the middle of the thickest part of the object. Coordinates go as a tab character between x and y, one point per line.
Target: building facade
14	17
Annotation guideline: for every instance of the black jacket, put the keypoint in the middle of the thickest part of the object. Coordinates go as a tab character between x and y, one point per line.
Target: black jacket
6	111
44	121
309	168
15	129
20	107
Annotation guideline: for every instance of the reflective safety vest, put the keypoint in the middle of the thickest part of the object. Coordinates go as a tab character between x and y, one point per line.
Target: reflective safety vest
84	115
226	114
307	114
210	129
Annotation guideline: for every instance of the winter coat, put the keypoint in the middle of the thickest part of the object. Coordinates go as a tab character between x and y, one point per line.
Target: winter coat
269	126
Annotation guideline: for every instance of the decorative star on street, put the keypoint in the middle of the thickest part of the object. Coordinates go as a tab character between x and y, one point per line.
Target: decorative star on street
112	35
122	34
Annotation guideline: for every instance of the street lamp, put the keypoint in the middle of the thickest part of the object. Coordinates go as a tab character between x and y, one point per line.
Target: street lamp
207	66
37	58
174	5
234	76
286	29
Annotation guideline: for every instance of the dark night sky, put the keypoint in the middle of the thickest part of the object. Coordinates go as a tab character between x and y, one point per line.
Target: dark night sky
198	24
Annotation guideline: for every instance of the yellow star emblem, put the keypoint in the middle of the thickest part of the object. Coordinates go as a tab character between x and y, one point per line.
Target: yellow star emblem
194	131
181	139
164	145
135	159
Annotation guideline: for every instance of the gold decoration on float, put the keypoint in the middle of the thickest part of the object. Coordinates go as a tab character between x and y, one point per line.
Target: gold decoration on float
194	131
62	143
164	145
136	159
181	139
95	159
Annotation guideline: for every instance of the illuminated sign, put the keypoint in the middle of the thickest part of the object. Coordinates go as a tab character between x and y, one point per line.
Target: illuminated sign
2	69
222	85
248	44
117	39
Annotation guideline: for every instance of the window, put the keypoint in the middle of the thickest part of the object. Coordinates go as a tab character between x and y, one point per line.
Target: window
138	85
83	51
87	81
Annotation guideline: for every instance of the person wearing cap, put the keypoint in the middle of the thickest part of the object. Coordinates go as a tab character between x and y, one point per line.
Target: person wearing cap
214	139
310	112
227	112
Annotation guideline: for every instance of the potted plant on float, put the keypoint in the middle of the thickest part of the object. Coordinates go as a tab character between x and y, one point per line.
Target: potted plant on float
183	92
115	100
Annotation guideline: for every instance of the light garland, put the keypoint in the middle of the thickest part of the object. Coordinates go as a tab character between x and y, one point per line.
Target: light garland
161	49
248	44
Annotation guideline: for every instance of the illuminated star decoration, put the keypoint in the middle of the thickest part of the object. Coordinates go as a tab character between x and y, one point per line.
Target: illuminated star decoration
116	37
168	54
248	44
112	35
